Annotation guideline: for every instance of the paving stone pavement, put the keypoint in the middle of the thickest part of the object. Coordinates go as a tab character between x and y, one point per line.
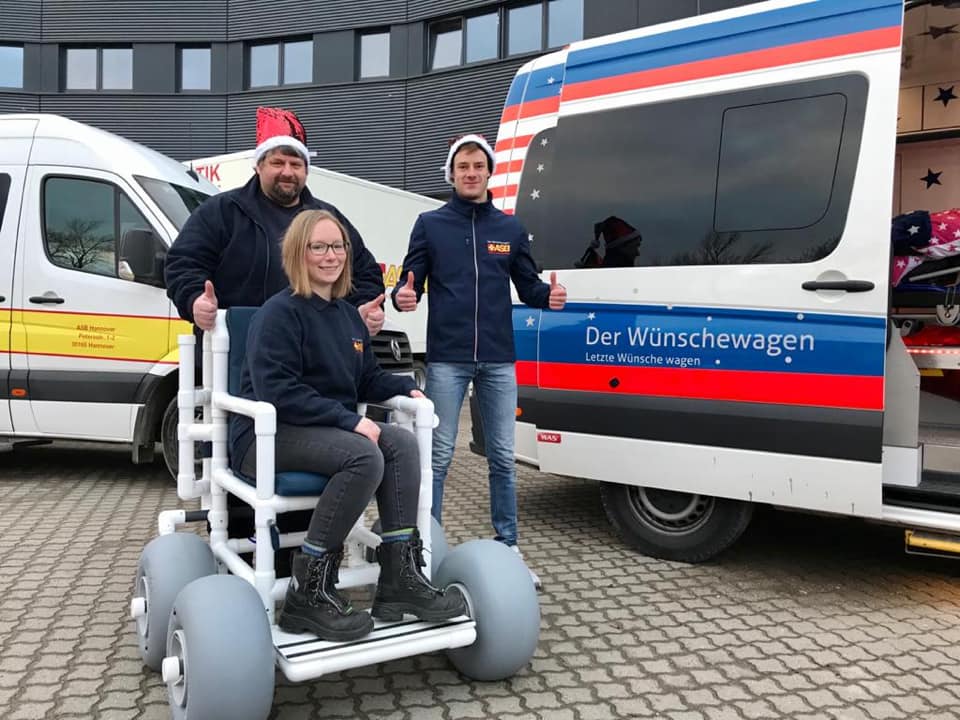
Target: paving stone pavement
807	617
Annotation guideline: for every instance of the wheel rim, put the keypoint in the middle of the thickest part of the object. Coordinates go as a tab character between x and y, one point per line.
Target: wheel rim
668	511
143	590
178	648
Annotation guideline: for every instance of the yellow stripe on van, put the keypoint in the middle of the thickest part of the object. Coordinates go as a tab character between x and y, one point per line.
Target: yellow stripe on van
107	337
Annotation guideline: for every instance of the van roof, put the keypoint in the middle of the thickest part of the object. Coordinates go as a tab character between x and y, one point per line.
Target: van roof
64	142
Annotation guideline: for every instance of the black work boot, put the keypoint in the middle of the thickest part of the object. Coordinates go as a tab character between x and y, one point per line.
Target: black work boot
314	605
402	588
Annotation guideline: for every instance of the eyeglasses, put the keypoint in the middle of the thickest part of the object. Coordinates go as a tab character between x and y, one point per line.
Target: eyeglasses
323	248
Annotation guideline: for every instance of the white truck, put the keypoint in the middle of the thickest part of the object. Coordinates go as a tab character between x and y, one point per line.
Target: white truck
383	215
715	194
88	338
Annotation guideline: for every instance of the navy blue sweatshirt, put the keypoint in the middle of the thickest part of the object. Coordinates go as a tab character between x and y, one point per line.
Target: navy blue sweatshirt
311	359
226	241
469	252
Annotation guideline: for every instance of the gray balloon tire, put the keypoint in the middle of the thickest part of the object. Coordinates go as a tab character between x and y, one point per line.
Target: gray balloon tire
168	564
228	651
501	600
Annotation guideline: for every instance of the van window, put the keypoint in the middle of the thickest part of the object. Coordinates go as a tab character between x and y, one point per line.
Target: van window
4	194
84	220
757	176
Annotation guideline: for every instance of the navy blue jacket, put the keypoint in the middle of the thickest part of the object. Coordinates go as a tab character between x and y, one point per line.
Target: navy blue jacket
223	241
469	252
312	360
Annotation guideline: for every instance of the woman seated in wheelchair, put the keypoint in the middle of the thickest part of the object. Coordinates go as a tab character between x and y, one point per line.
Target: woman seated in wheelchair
308	353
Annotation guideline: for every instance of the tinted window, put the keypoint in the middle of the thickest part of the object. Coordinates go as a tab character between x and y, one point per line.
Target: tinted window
117	68
524	29
176	202
298	62
195	69
445	44
11	66
4	194
564	21
483	34
80	225
762	176
264	65
759	186
81	69
375	55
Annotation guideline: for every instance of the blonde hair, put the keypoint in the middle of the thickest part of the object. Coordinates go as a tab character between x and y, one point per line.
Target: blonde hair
294	249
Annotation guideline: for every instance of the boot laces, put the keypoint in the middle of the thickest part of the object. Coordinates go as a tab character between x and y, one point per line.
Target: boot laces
322	583
415	549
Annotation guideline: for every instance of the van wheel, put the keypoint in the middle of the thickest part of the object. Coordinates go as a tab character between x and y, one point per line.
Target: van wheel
420	374
673	525
170	441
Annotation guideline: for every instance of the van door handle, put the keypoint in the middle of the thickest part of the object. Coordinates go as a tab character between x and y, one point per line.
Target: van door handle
848	285
2	298
46	300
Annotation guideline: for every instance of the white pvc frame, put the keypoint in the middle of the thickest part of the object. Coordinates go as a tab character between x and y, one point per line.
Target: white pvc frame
415	414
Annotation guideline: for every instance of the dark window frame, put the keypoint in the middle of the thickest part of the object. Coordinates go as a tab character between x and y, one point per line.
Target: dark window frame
179	63
281	43
6	181
65	65
118	194
358	55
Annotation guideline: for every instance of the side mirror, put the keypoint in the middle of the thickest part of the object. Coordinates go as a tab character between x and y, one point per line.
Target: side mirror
142	256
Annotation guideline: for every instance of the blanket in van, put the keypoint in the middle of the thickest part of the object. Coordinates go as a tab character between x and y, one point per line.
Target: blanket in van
923	237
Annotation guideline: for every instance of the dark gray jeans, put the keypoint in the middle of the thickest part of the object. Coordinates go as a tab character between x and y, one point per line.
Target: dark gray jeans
357	469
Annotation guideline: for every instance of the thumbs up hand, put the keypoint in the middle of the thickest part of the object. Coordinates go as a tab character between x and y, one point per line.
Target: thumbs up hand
372	314
407	295
205	308
558	293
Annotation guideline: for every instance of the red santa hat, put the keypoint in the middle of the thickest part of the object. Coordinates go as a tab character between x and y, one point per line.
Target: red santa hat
459	143
277	127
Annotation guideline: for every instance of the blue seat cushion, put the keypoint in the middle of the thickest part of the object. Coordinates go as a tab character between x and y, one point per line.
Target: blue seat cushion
294	484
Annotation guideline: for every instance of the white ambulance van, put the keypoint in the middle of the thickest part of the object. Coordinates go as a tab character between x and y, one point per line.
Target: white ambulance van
715	194
88	338
382	215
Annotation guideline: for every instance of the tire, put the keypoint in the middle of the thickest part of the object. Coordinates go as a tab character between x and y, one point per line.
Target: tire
948	315
438	544
502	600
673	525
169	439
167	565
420	373
219	630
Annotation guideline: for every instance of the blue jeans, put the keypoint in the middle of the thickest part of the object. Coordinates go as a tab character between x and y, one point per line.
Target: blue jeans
495	385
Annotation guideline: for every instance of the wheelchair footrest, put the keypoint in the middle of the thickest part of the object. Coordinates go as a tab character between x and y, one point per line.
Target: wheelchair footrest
303	657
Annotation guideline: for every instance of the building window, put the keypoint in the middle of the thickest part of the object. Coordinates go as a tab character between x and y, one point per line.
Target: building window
11	66
99	69
281	63
374	55
524	29
564	22
446	44
483	37
195	68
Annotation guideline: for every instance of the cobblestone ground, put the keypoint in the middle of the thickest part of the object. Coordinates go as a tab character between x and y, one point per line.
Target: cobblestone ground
807	617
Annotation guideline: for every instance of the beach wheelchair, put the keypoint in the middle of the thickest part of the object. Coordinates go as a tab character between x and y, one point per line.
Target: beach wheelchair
205	617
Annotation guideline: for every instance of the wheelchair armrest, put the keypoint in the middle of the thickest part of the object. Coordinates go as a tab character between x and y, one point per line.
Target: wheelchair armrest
419	408
263	413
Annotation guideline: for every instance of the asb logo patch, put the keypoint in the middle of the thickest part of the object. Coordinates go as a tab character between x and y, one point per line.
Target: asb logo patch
498	248
358	345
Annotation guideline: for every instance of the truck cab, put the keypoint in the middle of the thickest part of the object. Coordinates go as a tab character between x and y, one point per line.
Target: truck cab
715	194
88	338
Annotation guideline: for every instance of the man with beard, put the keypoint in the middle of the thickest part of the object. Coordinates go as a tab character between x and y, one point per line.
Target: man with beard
228	252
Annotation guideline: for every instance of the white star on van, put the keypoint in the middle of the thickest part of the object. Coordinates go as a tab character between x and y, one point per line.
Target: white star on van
530	321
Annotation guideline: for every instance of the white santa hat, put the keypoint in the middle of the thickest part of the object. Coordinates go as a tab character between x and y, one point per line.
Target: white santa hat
459	143
276	141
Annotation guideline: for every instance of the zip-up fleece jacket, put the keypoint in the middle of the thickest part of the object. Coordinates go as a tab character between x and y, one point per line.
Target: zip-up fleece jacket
469	252
312	360
223	241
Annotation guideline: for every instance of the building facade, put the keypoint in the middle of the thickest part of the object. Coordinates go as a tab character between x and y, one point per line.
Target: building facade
380	85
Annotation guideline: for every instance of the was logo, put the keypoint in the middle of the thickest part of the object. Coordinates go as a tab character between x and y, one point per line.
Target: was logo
498	248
